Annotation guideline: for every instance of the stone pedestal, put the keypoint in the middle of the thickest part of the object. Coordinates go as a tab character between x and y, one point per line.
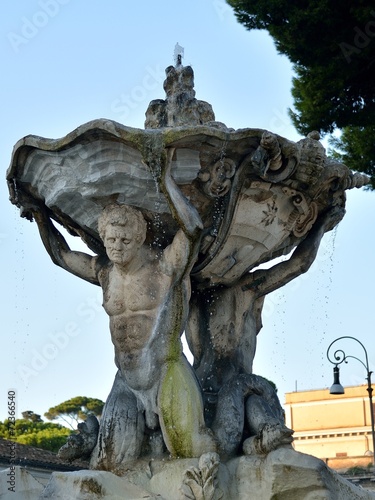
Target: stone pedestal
283	474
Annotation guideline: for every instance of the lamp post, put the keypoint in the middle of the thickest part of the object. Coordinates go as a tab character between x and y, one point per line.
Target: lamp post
339	357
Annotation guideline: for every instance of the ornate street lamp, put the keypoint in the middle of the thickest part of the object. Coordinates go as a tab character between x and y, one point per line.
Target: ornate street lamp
337	388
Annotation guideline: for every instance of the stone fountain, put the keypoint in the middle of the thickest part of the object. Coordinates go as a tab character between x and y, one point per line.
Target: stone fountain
180	216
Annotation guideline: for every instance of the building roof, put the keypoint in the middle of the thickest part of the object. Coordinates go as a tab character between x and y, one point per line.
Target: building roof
324	395
12	453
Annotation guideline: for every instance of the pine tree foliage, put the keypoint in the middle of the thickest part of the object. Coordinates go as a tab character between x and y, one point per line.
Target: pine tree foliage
331	44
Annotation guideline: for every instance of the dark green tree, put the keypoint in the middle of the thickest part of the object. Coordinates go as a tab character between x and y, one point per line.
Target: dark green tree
40	434
332	47
47	439
30	415
75	410
356	148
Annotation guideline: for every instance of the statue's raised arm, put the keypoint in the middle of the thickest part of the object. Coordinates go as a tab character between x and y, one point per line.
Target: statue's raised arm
182	210
266	281
78	263
180	256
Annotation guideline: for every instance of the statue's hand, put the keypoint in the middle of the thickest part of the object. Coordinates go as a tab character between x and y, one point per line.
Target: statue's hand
38	214
161	167
262	386
332	217
252	384
29	208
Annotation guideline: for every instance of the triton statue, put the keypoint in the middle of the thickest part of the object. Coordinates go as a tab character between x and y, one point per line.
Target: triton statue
180	216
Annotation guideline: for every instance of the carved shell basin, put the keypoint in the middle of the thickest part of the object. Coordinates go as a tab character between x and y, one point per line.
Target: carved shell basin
251	213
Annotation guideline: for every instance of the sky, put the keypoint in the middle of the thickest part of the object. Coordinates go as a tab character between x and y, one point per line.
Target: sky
66	62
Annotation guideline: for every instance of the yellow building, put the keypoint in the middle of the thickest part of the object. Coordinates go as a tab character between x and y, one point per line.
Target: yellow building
336	429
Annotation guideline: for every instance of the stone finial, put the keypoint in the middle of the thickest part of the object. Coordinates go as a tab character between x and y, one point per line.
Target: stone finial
312	159
180	107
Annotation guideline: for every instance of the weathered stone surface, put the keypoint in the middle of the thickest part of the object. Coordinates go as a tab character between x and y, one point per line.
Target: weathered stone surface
92	485
180	106
284	474
18	484
104	162
82	443
288	475
155	403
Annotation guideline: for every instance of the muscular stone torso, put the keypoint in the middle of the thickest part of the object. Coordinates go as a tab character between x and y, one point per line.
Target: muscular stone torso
133	303
222	330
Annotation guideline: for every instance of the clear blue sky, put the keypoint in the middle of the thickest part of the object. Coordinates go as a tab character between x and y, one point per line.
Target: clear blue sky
65	62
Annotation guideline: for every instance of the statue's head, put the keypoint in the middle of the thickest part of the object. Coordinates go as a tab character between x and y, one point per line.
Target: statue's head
123	231
122	215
